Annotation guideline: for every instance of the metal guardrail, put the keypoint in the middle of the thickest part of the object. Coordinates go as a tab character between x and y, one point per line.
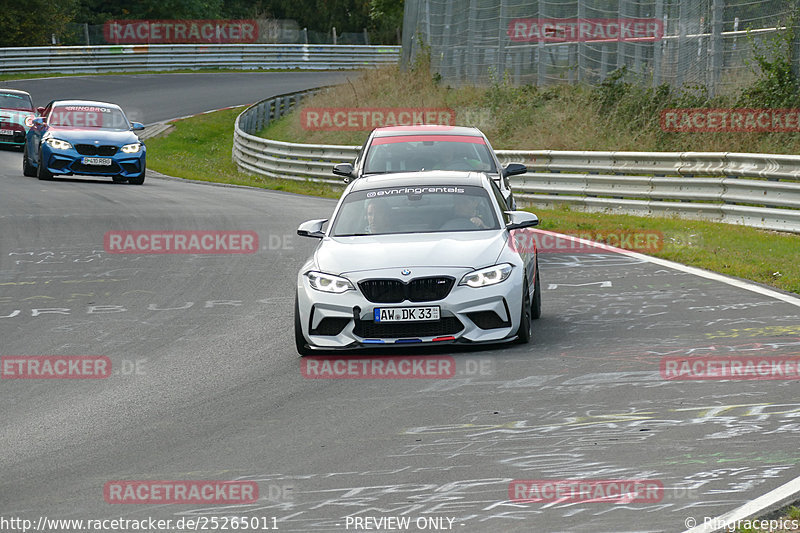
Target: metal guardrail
758	190
83	59
276	159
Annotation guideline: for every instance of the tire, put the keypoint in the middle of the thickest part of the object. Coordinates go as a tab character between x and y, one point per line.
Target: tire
524	331
27	169
119	179
536	303
299	340
137	180
41	172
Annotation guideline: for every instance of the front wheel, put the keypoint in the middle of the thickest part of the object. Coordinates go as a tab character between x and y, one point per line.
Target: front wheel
299	339
137	180
524	331
41	172
536	304
27	169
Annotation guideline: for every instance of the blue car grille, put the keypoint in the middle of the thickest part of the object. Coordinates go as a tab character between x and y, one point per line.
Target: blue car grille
92	149
77	166
396	291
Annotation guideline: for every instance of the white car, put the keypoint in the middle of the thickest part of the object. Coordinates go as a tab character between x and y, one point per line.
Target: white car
417	258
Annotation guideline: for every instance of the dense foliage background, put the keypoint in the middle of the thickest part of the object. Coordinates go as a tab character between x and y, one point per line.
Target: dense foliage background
34	22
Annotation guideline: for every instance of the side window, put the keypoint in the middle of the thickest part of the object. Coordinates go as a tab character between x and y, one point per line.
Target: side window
500	201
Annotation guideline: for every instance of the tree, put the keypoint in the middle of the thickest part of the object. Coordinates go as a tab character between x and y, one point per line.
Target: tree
33	22
385	16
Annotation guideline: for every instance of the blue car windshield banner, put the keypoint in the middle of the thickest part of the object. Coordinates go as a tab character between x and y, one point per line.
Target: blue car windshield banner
81	116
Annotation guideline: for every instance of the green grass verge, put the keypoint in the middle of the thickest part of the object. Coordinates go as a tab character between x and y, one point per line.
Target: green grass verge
786	517
199	148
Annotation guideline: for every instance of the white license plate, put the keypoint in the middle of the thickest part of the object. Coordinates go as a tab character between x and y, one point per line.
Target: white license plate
100	161
6	132
406	314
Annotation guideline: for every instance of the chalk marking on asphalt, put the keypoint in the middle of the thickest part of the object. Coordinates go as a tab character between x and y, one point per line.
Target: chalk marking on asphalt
771	501
792	300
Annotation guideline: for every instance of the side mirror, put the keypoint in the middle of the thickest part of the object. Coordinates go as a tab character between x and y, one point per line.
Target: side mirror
514	169
521	219
345	170
137	126
38	121
312	228
39	110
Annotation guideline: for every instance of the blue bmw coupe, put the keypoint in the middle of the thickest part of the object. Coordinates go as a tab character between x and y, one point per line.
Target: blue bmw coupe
84	137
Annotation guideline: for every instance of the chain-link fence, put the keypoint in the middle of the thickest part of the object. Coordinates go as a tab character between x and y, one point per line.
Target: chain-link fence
678	42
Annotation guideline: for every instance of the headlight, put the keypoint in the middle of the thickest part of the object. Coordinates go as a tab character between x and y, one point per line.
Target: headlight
328	282
58	144
29	121
487	276
132	148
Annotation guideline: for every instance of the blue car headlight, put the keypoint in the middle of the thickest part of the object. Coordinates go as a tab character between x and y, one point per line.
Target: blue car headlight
132	148
487	276
58	144
328	282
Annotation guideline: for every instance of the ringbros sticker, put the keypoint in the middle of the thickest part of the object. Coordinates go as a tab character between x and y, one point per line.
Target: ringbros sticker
85	117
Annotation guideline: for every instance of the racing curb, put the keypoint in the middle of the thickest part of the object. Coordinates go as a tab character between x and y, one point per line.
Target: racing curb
767	503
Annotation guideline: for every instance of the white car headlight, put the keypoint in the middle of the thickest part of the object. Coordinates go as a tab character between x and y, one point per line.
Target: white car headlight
131	148
487	276
328	282
58	144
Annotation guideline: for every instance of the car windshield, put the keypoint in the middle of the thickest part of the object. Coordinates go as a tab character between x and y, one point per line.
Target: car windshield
20	102
427	209
405	153
88	116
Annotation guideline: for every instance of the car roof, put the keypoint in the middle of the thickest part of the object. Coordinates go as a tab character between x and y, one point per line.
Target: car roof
422	178
84	102
427	129
14	91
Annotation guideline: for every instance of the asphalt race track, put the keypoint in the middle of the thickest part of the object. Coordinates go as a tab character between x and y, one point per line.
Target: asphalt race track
206	383
151	98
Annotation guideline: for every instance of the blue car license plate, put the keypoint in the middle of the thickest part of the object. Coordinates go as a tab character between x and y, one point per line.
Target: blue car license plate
97	161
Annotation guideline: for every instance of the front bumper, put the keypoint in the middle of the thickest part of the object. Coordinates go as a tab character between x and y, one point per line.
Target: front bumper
467	315
65	162
17	138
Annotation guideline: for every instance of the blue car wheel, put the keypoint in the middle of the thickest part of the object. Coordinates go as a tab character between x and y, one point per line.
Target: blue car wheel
27	169
41	172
